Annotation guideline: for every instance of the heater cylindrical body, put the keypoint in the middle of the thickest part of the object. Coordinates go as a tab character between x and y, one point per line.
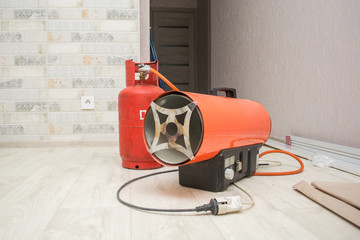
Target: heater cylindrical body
132	103
182	128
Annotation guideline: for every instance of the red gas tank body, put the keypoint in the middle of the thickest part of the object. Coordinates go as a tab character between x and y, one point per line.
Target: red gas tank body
133	102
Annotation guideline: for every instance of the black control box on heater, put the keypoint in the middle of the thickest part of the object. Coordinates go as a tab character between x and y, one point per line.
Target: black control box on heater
216	174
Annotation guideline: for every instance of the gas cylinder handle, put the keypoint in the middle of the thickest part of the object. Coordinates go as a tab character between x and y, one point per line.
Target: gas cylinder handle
172	129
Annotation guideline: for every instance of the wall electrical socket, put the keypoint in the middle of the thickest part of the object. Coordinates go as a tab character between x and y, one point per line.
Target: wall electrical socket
87	102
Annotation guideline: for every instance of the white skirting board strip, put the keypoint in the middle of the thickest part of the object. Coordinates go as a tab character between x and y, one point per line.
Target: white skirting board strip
345	158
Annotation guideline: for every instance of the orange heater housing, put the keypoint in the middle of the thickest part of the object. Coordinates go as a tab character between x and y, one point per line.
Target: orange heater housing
211	138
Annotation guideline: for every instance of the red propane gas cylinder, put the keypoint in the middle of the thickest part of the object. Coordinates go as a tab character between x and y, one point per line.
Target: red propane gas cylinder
133	102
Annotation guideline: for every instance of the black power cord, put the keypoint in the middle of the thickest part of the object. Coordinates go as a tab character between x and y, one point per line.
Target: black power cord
211	206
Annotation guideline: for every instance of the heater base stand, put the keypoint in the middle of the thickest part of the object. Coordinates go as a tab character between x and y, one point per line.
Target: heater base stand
217	173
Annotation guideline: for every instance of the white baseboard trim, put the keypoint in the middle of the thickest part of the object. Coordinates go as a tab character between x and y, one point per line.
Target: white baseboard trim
345	158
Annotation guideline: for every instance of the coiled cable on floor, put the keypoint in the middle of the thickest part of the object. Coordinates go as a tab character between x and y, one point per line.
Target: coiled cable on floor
213	206
299	170
146	208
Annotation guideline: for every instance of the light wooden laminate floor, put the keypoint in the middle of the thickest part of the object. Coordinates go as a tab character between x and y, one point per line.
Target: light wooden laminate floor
70	193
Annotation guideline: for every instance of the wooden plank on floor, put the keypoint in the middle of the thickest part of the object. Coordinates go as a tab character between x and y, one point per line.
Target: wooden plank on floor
28	208
89	223
164	191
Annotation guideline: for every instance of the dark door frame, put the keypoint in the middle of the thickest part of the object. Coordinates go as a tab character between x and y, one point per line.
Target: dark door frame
203	45
193	78
203	78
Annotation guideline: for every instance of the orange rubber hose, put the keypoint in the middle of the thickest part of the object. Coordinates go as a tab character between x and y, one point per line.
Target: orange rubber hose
164	79
281	173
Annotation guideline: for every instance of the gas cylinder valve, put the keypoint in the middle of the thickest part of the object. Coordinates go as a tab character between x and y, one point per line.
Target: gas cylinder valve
144	71
144	68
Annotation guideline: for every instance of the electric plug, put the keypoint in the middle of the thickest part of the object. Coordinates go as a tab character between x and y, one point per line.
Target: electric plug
222	205
228	204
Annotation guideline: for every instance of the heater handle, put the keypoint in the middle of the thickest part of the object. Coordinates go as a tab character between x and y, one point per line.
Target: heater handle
230	92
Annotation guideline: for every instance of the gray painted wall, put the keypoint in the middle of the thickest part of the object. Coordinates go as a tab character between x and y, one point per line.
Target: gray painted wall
300	59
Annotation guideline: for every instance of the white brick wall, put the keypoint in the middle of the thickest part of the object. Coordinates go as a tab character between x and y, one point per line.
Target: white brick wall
53	52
